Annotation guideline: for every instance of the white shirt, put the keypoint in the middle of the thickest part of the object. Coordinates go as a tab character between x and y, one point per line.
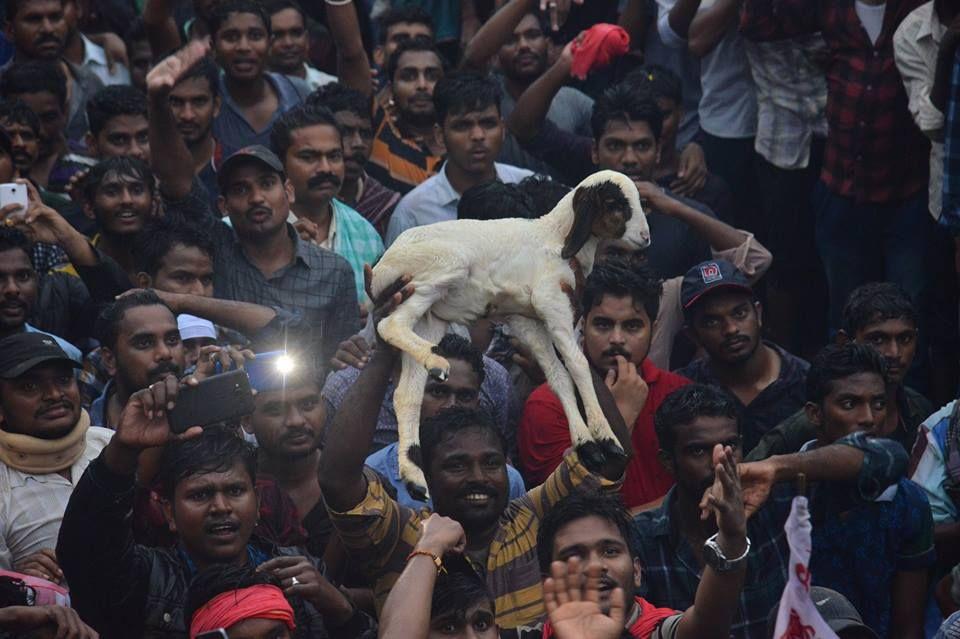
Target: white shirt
871	17
95	60
915	46
317	78
435	200
32	506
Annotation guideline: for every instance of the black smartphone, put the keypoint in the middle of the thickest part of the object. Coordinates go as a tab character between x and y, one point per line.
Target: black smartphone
220	398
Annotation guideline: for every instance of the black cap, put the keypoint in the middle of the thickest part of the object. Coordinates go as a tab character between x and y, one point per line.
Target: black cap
253	152
23	351
835	609
710	276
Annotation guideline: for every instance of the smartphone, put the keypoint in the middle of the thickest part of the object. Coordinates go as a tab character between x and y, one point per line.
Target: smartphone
219	633
220	398
13	193
268	370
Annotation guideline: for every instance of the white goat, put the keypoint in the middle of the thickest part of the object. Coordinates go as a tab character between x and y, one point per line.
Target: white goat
516	269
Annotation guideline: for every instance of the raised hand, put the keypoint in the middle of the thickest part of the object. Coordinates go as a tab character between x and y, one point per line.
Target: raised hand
691	173
165	75
441	535
573	605
38	221
299	577
227	356
725	500
389	299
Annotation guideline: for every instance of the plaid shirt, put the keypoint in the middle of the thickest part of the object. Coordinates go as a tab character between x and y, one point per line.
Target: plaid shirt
875	153
672	573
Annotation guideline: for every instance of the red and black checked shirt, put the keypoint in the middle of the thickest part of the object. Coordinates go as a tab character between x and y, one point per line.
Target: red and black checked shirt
875	153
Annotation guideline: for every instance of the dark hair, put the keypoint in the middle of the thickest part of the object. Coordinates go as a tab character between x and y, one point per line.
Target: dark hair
624	102
13	6
216	450
410	13
543	193
687	403
838	361
580	505
447	423
458	588
223	11
337	97
121	165
160	235
135	32
217	579
877	302
615	277
112	101
107	327
301	117
276	6
456	347
419	43
35	76
204	68
459	93
656	81
17	112
493	201
12	238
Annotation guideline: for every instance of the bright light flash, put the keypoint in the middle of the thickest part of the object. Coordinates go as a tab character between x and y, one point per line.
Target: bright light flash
285	364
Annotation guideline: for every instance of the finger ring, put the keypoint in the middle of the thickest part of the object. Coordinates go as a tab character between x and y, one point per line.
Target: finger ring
294	581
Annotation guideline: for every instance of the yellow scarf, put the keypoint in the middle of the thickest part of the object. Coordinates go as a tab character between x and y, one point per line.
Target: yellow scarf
44	456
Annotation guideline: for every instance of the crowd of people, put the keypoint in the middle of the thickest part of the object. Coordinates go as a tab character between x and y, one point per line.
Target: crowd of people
206	186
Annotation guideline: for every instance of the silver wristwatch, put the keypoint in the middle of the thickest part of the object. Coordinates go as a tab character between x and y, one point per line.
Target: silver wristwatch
713	555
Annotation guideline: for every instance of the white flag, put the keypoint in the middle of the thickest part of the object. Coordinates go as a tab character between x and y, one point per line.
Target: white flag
798	618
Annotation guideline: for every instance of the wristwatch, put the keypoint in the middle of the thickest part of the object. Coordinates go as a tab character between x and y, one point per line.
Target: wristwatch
713	555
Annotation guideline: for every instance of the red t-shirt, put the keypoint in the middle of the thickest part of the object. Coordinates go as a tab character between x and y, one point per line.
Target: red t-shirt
544	435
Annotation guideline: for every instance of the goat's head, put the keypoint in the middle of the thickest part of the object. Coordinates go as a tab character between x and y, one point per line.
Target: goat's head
606	205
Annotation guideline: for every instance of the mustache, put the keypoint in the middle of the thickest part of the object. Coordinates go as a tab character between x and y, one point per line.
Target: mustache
46	408
13	303
259	209
736	340
162	369
47	38
616	350
293	433
323	179
481	489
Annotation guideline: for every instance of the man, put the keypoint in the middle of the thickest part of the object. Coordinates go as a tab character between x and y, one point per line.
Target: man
22	126
209	501
725	319
288	46
406	149
139	52
261	259
858	468
82	52
359	190
308	141
42	86
465	387
40	416
619	305
118	123
594	534
464	461
874	169
196	333
394	27
253	98
879	315
467	108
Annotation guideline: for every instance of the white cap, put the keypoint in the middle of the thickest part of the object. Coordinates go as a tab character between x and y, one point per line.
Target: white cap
192	327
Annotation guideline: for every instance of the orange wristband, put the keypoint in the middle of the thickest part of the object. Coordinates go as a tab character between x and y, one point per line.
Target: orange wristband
436	560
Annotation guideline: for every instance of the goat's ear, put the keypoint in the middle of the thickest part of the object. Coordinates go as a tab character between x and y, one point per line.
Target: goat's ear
587	204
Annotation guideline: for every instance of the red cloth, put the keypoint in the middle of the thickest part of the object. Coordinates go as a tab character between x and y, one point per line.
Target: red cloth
262	601
600	46
650	618
544	435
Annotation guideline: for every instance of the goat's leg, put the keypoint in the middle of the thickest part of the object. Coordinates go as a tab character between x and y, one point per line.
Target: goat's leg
558	318
407	399
534	334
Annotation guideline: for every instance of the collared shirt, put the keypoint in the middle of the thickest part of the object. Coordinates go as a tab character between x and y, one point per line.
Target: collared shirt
98	409
95	59
728	105
544	435
386	462
788	436
791	98
776	402
399	163
316	78
915	47
874	152
672	572
381	533
32	505
496	397
930	465
375	202
231	128
436	200
85	84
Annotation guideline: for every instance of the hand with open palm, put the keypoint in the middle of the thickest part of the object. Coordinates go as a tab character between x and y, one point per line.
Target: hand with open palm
573	603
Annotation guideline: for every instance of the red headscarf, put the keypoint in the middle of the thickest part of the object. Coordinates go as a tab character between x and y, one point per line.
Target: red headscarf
262	601
601	44
648	621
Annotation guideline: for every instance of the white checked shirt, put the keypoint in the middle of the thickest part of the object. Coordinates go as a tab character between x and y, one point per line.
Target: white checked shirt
32	506
915	46
791	98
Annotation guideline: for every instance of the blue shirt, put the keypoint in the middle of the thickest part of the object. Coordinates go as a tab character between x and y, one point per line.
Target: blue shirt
231	129
98	409
386	462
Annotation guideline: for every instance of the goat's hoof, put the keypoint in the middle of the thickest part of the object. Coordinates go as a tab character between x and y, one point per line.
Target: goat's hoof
417	492
612	451
438	374
437	367
591	455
